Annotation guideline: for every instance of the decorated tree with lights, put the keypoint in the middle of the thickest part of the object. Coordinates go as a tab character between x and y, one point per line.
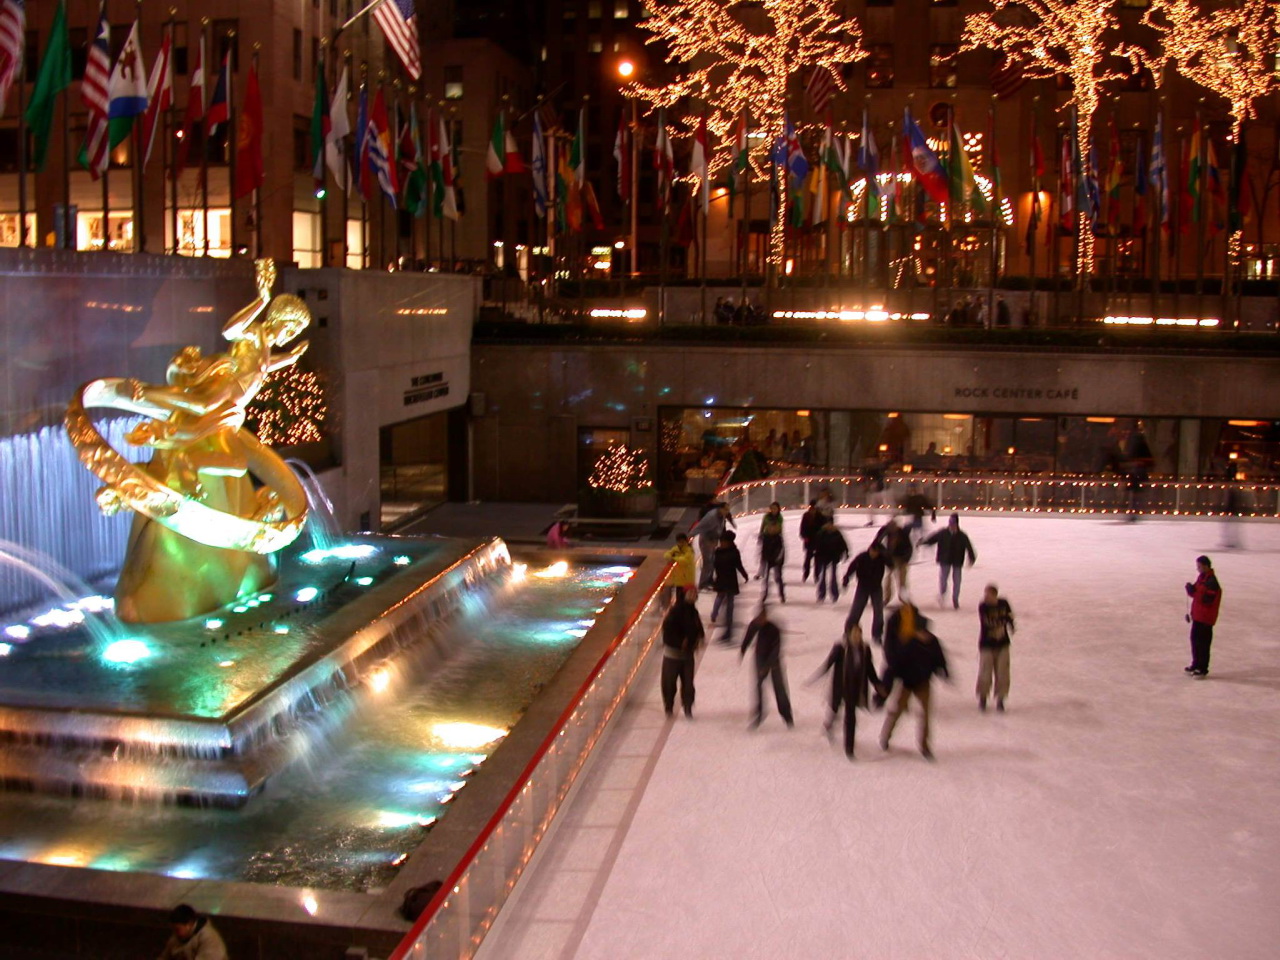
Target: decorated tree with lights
737	57
1050	38
619	483
290	409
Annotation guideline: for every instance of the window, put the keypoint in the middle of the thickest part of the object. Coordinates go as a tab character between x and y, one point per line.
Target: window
10	234
306	239
621	9
191	232
942	66
180	63
453	82
594	43
297	54
593	9
880	66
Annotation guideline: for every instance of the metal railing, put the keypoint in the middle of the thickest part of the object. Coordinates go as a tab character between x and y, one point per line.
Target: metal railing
1040	493
457	919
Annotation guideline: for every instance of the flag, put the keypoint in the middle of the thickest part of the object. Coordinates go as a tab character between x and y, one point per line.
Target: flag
54	77
337	130
819	89
570	176
249	165
1007	76
95	94
869	161
399	22
1195	173
446	192
195	109
415	188
797	163
1066	186
927	166
364	178
1033	222
128	89
378	149
1139	225
963	184
698	165
622	156
663	161
741	158
321	124
538	166
159	95
1115	175
818	185
1159	174
1217	194
219	111
993	164
493	165
13	26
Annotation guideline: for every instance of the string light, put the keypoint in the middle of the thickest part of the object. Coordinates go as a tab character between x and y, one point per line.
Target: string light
620	470
289	410
1050	38
737	57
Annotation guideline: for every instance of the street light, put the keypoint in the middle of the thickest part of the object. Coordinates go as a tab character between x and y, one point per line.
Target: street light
626	70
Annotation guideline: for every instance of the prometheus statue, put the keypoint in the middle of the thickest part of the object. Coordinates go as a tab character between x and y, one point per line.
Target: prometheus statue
202	535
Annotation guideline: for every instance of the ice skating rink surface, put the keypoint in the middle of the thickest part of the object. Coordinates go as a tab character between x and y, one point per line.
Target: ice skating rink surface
1119	809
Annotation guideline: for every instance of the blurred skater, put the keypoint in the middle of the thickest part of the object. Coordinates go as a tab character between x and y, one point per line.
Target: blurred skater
953	544
768	640
708	530
829	549
1206	597
726	564
557	538
875	489
684	576
867	568
682	634
912	656
810	524
894	539
995	622
772	551
853	673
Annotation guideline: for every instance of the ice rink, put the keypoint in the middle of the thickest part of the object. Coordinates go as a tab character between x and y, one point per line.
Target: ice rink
1119	809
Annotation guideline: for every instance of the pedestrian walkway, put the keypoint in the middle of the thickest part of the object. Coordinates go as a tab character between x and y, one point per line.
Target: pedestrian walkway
1118	809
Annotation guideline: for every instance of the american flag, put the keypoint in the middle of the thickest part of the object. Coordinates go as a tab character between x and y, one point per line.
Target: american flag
94	95
13	17
1007	77
399	22
819	89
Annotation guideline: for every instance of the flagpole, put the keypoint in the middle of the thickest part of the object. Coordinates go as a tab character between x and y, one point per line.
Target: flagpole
430	188
703	192
232	144
1156	216
1175	225
440	105
453	222
364	201
745	252
1035	200
1203	181
635	181
393	160
322	156
68	242
257	190
347	181
994	213
22	161
204	135
167	151
136	180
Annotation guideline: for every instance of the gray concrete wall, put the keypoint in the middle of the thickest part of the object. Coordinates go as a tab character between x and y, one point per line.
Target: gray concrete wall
535	397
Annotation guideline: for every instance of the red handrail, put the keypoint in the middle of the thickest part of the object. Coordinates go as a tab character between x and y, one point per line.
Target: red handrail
446	889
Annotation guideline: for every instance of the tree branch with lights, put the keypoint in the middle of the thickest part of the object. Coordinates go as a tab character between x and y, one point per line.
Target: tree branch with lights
1051	38
737	57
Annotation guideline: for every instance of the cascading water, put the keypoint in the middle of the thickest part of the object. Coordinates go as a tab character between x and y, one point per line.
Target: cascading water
322	526
72	603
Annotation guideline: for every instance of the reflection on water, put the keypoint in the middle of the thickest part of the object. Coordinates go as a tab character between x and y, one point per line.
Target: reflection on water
381	767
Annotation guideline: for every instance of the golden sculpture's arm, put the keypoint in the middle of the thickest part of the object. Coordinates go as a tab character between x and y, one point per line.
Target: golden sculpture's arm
278	361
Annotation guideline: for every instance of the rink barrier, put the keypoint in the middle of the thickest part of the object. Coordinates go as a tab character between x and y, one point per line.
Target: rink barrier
457	919
1006	494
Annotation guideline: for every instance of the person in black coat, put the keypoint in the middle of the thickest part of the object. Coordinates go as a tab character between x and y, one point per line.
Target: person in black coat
995	625
682	634
853	672
829	548
912	656
768	640
726	564
953	545
895	540
868	568
810	524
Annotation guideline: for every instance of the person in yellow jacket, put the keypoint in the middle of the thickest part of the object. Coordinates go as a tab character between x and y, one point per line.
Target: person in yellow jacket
685	575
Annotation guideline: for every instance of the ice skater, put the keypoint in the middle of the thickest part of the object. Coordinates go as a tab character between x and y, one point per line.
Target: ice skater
912	656
682	634
684	573
853	673
772	551
768	640
1206	598
952	544
995	622
894	539
829	549
810	524
867	568
708	530
726	565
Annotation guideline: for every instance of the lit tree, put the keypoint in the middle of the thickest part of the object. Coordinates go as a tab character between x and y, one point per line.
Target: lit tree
1230	50
737	56
1050	38
290	409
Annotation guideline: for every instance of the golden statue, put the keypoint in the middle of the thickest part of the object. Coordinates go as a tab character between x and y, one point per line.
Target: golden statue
203	534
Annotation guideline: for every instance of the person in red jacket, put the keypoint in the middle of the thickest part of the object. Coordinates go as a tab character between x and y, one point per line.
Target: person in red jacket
1206	597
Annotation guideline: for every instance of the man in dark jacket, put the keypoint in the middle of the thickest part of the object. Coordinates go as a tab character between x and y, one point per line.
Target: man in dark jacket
726	565
193	937
682	634
868	569
912	656
852	673
829	549
810	524
768	640
953	545
1206	597
995	621
895	540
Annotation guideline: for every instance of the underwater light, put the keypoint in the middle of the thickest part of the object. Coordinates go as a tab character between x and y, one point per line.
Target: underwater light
394	819
239	608
6	649
403	561
281	629
306	594
379	680
558	569
266	597
467	736
94	604
18	631
126	651
617	570
59	617
309	903
213	624
518	572
226	663
364	581
347	551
